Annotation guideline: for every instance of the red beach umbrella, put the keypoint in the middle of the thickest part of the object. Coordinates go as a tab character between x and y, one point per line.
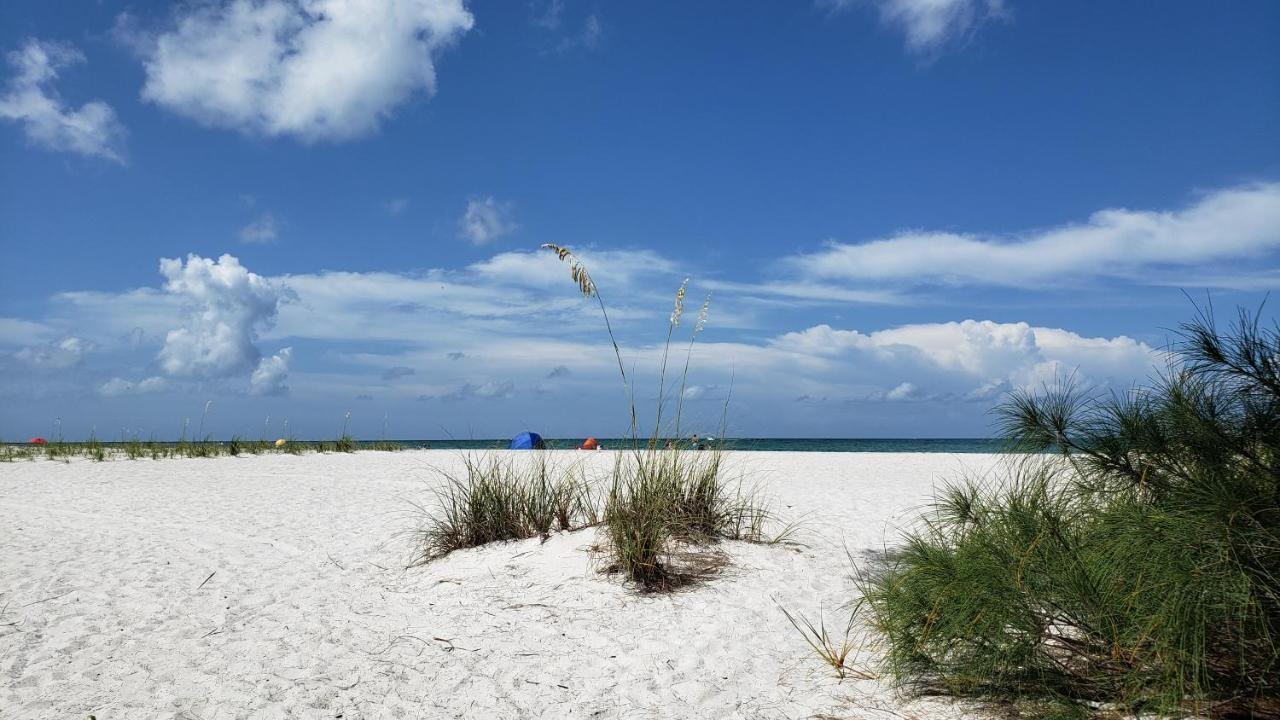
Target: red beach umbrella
38	441
589	444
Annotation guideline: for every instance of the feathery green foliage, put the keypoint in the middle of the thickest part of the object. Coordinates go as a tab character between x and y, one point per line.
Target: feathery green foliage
1137	566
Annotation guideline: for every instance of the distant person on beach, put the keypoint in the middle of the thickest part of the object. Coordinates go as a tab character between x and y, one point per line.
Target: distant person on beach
695	443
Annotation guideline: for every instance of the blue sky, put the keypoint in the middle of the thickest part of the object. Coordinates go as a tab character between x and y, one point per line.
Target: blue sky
902	208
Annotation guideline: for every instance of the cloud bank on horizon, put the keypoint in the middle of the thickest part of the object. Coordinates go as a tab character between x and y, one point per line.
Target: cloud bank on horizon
217	329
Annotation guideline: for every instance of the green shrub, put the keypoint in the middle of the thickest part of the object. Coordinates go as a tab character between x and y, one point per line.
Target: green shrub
1138	566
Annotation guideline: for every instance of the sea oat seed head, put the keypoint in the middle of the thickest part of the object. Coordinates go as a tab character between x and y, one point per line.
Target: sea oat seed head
702	315
577	270
679	308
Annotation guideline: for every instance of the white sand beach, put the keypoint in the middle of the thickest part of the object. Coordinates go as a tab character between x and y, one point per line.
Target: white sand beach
276	587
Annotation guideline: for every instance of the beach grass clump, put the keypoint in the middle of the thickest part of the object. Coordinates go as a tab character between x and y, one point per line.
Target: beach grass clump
12	453
662	500
496	499
1135	568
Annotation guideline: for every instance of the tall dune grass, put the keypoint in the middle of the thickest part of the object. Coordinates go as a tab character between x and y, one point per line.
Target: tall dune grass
657	497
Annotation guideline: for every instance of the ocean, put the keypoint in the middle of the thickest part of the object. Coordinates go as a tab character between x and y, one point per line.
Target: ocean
881	445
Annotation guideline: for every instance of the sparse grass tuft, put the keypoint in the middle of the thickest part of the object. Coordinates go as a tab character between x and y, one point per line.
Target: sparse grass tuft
835	653
498	499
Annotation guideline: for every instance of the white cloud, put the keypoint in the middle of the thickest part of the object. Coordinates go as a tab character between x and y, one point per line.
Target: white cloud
395	206
929	25
14	331
261	230
485	220
971	359
312	69
67	352
117	387
225	306
1135	245
269	377
30	99
904	391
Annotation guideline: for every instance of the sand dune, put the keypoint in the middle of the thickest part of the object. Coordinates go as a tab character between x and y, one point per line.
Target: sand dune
276	587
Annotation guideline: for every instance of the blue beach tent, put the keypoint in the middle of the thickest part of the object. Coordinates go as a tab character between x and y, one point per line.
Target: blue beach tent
527	441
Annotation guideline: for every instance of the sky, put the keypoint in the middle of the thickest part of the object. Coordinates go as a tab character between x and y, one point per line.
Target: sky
223	216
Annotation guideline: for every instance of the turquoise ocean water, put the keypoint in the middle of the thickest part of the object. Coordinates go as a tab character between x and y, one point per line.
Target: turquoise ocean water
917	445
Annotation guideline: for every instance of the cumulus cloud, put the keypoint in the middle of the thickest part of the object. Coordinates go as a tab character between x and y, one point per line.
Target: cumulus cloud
261	230
968	360
485	220
67	352
270	375
929	25
116	387
311	69
30	99
397	372
1136	245
224	308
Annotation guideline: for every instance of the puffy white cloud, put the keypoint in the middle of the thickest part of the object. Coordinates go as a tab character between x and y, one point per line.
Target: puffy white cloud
929	25
313	69
969	360
67	352
225	306
92	129
485	220
117	387
270	375
261	230
1134	245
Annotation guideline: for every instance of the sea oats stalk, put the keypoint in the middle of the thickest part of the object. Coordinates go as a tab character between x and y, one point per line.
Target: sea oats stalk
587	287
672	324
684	376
